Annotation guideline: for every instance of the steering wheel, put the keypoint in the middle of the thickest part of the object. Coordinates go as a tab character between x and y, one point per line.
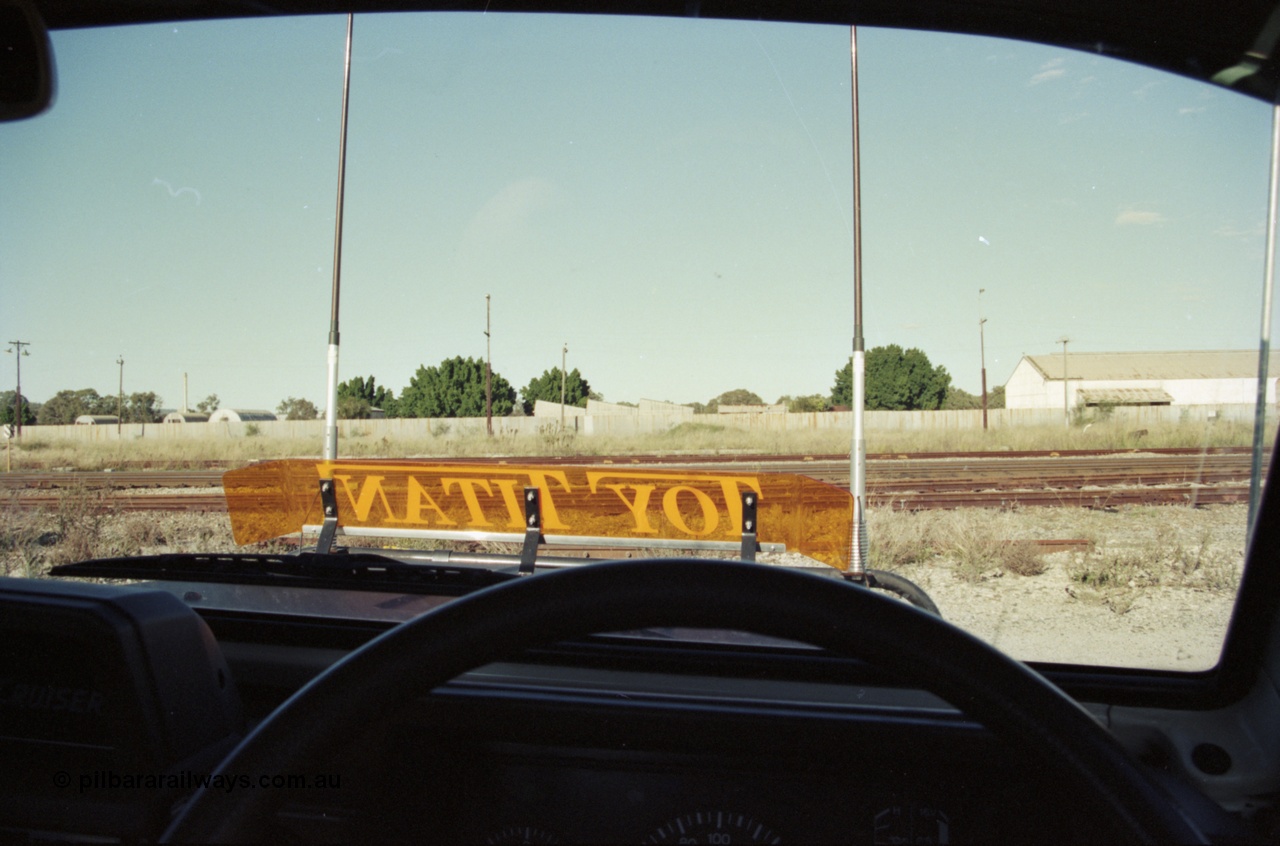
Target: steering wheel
1011	700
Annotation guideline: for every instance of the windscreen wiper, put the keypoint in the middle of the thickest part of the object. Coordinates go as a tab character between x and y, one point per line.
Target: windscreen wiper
349	570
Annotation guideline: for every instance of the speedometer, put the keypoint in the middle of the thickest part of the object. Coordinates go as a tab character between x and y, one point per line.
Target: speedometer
713	827
521	834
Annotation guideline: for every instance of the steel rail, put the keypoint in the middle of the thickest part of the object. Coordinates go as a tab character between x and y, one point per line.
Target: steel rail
897	500
930	473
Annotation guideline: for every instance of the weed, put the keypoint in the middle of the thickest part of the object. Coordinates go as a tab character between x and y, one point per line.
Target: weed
20	540
975	542
706	434
78	517
555	440
1108	570
1166	560
140	532
684	430
900	539
1022	558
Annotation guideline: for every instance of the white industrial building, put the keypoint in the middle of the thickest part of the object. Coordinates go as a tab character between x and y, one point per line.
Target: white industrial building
232	415
1219	377
186	417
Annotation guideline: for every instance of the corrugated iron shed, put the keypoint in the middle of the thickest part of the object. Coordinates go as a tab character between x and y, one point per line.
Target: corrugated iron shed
185	417
1116	366
1125	396
234	415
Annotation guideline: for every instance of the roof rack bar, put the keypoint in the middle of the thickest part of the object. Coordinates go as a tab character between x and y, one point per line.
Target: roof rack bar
532	530
749	526
549	540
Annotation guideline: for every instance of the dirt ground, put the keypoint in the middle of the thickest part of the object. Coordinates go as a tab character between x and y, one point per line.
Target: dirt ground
1167	609
1155	588
1047	618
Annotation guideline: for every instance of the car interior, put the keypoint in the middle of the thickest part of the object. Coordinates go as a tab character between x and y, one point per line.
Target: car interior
349	691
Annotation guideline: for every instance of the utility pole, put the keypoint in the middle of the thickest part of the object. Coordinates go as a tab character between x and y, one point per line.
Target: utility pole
488	371
1066	411
18	353
120	399
185	408
982	346
564	353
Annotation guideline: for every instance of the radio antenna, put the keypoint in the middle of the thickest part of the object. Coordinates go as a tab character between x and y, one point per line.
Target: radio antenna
858	363
331	413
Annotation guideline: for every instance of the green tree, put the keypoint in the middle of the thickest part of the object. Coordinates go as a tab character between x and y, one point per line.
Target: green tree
65	406
366	389
455	388
738	396
547	388
897	379
842	390
208	405
297	409
811	402
351	407
8	409
141	408
957	398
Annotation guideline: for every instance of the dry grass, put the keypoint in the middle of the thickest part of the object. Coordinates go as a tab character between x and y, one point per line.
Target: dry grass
1101	435
84	525
1129	550
1131	553
1117	574
974	543
688	438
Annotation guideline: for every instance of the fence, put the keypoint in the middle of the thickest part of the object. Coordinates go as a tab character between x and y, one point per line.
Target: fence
640	423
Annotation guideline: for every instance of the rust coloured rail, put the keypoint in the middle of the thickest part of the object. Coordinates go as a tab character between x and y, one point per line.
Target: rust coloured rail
1088	479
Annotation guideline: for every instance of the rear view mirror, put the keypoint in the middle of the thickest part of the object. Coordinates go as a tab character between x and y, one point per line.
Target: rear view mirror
26	62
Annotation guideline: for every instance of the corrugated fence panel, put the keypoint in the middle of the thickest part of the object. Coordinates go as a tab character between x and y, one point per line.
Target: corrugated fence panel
422	429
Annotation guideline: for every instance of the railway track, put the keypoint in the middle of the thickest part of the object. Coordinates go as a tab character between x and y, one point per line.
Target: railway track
949	481
987	480
964	471
899	501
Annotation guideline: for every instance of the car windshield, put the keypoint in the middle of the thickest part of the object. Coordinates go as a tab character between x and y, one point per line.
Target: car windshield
651	230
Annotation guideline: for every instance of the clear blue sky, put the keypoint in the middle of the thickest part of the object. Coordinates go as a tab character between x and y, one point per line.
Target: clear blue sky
672	199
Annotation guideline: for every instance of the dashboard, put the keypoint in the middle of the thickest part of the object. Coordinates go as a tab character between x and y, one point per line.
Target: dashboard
555	753
123	699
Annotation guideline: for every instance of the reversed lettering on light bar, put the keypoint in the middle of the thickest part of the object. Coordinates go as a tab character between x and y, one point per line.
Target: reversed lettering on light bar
279	497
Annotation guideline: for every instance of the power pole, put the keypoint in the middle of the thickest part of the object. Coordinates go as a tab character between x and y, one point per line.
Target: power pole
1066	411
120	399
563	354
982	346
488	371
18	352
